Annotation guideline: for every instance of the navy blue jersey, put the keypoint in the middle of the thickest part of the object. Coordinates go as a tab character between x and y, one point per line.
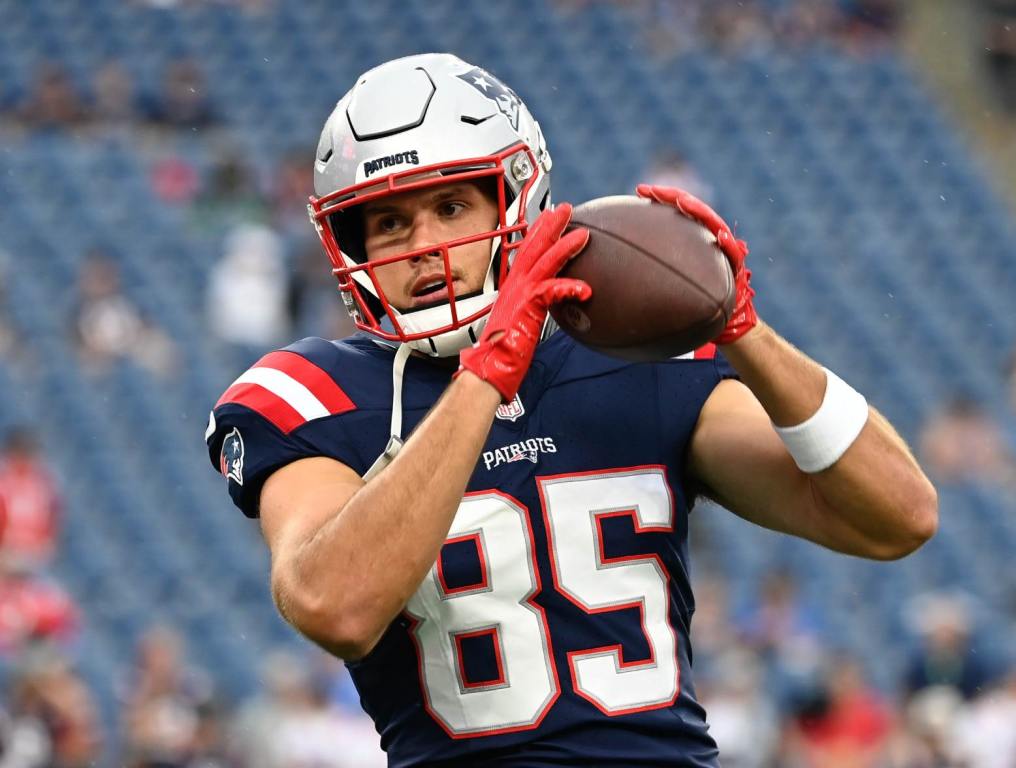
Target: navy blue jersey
553	628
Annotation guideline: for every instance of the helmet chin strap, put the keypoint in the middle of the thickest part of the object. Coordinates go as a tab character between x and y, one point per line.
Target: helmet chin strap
395	440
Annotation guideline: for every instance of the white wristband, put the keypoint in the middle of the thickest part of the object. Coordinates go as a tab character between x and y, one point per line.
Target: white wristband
819	442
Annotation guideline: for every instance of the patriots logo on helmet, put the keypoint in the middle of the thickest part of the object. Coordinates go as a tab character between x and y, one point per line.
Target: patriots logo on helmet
231	457
506	99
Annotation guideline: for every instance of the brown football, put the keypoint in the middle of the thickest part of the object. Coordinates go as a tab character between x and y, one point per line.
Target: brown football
661	285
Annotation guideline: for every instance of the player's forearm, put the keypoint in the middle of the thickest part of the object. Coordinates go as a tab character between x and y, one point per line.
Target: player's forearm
365	562
875	496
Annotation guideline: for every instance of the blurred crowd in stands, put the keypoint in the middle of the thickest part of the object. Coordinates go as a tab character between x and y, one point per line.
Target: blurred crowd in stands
269	285
111	101
745	25
778	692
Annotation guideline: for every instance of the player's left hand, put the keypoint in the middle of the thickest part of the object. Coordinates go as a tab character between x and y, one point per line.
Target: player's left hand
743	318
505	349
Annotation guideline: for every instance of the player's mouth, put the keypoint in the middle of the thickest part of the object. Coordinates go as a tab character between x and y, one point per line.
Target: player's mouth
432	289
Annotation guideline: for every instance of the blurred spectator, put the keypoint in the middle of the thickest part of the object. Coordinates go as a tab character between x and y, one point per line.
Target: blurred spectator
1011	386
781	626
786	634
248	291
315	304
53	716
114	101
282	675
846	724
1000	49
673	27
9	342
53	102
712	634
174	180
169	710
928	732
740	25
871	21
800	22
29	503
742	717
735	27
987	734
249	6
672	169
945	656
109	327
292	724
229	196
337	684
183	100
291	186
963	443
32	609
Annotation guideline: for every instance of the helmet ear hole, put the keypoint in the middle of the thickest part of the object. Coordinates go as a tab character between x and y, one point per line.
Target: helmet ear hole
347	228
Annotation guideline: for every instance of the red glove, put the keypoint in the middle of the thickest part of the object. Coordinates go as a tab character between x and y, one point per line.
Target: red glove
743	318
502	355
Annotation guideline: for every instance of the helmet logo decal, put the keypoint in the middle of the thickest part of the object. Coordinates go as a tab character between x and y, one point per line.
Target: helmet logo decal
505	98
375	165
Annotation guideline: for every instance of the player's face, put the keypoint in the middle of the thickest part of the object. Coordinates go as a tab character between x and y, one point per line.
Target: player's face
412	220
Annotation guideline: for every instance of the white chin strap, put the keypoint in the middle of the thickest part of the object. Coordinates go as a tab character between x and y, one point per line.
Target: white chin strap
395	439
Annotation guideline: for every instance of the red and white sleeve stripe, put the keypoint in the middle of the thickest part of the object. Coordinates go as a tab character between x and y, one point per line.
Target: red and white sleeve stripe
288	390
705	352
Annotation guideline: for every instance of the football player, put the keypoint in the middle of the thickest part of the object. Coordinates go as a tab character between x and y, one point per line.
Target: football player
486	520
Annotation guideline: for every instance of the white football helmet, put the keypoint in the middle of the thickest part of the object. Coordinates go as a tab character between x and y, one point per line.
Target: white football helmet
418	122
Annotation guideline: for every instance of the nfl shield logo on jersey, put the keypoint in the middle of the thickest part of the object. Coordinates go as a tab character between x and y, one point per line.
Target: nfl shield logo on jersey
510	411
231	457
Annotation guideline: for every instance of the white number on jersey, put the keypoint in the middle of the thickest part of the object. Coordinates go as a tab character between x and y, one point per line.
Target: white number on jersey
502	606
574	506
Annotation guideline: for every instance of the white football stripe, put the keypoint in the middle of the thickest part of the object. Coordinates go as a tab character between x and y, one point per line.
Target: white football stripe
284	386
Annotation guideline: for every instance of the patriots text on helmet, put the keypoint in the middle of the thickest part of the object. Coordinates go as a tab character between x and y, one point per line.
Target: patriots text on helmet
373	166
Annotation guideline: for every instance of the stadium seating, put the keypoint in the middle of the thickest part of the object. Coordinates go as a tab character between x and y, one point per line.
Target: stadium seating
878	243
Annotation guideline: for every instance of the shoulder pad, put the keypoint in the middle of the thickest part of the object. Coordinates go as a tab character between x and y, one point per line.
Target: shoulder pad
291	386
251	429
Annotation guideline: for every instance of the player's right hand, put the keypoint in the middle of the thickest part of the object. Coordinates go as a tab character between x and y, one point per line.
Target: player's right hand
505	349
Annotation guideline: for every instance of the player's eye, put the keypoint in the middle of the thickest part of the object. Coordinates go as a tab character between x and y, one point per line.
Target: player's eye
387	225
451	208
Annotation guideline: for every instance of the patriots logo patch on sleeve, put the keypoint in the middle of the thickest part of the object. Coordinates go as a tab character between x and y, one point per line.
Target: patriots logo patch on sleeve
231	457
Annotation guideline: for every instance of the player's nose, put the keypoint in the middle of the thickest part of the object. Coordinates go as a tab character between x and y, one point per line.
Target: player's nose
424	234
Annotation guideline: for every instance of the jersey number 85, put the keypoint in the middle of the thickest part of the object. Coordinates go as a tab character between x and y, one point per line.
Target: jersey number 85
502	605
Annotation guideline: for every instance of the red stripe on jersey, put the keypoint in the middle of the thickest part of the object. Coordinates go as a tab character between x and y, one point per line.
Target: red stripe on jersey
268	404
706	352
320	384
